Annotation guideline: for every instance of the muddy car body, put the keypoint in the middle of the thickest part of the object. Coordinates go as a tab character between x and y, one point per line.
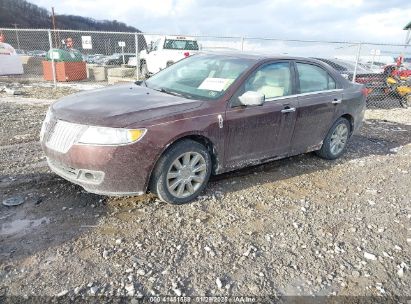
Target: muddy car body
228	127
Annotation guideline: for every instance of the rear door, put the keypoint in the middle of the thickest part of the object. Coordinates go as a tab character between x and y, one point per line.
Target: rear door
318	100
255	133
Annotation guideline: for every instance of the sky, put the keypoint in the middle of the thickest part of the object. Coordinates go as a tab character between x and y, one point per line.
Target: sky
332	20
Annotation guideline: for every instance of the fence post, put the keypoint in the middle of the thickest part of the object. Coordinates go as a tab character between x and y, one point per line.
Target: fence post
53	68
357	59
242	44
137	56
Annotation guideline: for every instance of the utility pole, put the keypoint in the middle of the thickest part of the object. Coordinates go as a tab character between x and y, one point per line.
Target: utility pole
53	20
408	36
17	35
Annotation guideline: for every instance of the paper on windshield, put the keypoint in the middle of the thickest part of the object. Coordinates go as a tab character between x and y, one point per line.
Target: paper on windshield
215	84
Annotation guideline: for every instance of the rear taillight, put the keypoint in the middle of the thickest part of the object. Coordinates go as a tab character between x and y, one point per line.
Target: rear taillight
186	54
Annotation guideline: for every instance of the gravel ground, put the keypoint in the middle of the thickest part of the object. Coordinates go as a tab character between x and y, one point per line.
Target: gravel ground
298	226
35	91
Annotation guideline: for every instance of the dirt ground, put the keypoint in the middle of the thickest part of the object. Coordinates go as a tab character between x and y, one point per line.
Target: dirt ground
298	226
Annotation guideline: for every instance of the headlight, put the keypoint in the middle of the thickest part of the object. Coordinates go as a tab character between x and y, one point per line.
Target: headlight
45	124
110	136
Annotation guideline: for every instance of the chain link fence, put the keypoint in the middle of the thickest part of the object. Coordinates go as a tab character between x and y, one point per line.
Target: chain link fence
90	59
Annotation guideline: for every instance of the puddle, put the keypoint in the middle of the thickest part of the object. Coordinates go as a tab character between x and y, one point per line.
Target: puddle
17	226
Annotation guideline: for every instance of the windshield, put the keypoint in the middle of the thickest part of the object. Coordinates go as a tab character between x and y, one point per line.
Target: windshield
173	44
204	77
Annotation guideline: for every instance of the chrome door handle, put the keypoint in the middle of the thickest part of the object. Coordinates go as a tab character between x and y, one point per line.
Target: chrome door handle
336	101
288	110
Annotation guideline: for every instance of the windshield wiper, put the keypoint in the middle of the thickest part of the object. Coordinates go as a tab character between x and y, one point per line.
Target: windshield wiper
163	90
140	82
167	91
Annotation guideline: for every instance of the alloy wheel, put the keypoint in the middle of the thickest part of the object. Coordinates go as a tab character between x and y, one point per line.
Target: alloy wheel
186	174
339	139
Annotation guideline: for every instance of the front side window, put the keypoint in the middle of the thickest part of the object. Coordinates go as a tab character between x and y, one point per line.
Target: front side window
272	80
312	78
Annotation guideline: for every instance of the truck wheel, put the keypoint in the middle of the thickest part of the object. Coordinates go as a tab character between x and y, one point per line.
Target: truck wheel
169	63
182	172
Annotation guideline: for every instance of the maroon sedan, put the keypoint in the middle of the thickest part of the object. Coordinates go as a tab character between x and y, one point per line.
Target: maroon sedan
207	114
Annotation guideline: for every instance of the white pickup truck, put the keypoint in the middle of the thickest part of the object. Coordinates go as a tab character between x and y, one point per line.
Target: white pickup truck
164	52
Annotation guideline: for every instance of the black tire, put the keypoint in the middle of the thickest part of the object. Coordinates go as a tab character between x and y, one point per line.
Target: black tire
158	182
169	63
326	151
405	101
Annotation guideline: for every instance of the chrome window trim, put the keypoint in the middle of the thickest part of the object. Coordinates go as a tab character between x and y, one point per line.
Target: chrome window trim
319	92
280	98
303	94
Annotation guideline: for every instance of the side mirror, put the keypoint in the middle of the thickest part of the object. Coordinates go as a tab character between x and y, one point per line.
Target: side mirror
252	98
149	47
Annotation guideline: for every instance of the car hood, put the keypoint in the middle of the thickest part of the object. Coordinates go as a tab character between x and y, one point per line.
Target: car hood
120	106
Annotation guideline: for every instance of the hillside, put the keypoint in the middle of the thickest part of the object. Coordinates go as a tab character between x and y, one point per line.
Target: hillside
28	15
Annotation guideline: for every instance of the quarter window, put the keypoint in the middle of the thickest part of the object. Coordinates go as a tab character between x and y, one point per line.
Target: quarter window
272	80
313	78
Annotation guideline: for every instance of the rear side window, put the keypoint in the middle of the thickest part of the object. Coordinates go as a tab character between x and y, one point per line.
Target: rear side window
313	78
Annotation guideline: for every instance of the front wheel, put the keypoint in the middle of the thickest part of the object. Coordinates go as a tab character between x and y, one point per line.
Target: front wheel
336	140
181	173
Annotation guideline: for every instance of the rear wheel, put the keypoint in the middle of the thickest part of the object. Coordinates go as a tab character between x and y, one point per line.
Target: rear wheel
336	140
181	173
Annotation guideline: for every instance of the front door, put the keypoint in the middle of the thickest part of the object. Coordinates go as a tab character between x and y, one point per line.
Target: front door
255	133
317	103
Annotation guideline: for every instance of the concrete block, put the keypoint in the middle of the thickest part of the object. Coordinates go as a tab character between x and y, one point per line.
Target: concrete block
121	72
114	79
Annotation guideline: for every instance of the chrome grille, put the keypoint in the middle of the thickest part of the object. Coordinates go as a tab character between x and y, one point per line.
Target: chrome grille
47	126
63	136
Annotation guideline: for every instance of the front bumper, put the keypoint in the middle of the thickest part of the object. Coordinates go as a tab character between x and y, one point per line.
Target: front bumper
105	170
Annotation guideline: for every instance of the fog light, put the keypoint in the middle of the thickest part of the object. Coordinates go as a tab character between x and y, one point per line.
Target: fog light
88	175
